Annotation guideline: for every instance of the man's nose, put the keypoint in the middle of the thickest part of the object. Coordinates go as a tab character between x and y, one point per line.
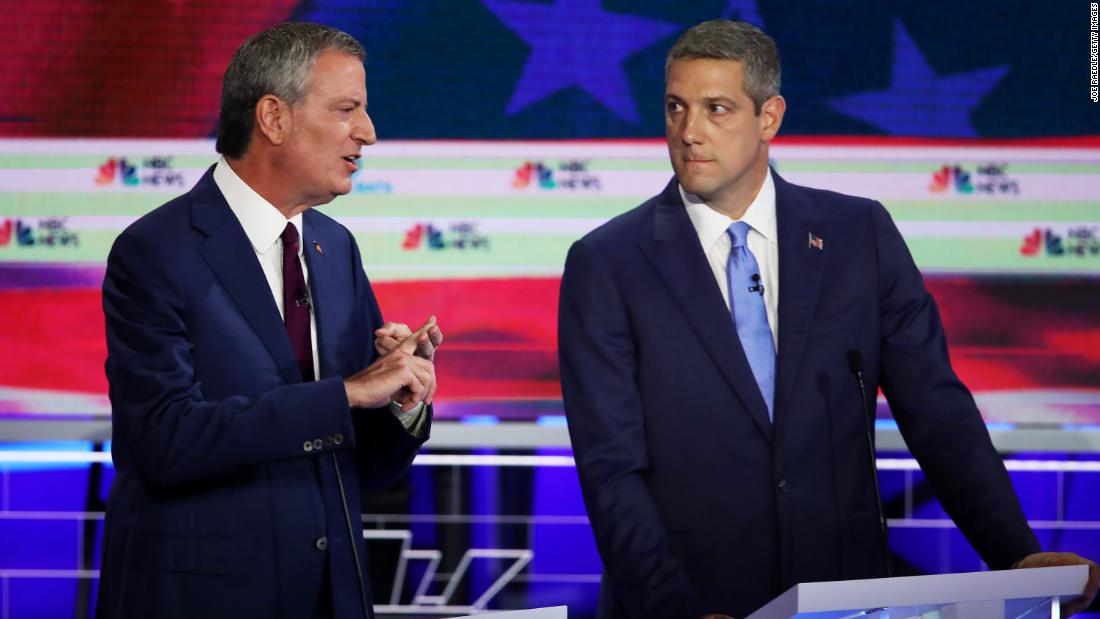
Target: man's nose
363	130
690	128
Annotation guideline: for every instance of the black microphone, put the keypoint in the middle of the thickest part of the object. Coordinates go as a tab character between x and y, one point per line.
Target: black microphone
757	286
303	298
352	537
855	364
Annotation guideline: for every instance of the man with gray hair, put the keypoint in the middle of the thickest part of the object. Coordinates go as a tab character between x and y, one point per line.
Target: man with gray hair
255	390
720	346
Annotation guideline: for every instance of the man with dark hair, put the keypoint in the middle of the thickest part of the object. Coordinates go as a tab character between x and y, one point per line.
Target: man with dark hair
706	339
255	390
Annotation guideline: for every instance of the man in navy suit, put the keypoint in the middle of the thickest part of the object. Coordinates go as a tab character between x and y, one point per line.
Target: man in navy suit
255	390
709	340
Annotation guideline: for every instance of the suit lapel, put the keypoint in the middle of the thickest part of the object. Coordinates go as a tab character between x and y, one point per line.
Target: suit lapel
800	268
230	256
323	290
680	262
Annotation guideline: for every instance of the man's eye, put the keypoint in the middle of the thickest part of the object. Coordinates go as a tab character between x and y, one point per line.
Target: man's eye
718	109
674	107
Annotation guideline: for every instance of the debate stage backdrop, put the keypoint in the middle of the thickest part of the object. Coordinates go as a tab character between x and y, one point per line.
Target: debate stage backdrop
972	123
508	129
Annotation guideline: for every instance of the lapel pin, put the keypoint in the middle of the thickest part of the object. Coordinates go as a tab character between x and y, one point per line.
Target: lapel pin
816	242
318	248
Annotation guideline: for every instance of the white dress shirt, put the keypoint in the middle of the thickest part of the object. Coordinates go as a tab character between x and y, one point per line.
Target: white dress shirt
263	225
763	242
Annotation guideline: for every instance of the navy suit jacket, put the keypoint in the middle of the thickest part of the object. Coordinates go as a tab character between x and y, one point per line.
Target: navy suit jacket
698	503
220	497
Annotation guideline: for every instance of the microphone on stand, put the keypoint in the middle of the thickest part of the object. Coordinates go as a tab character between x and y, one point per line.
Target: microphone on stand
855	364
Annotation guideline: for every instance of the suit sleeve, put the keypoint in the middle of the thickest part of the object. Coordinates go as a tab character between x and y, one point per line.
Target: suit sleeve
385	447
174	433
606	427
936	413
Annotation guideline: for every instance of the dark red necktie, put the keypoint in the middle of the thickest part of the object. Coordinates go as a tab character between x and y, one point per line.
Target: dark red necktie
296	303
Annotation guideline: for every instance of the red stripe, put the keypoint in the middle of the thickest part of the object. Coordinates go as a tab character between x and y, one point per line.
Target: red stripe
501	336
886	141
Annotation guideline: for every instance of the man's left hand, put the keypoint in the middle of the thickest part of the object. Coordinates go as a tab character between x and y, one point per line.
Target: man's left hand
1052	559
393	334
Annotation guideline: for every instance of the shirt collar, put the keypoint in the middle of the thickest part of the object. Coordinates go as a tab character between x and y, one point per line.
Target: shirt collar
710	224
263	223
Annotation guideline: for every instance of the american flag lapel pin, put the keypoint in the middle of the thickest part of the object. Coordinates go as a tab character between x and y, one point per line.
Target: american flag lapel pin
816	242
317	247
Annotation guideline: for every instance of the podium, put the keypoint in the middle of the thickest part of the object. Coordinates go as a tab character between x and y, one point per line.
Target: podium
553	612
1009	594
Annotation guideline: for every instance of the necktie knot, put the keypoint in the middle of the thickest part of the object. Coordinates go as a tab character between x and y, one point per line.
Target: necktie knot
739	233
290	238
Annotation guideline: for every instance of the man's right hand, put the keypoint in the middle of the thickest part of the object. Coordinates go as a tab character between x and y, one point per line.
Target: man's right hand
398	376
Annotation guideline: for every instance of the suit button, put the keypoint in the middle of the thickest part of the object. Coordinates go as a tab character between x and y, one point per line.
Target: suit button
318	443
784	486
321	543
308	446
328	441
338	439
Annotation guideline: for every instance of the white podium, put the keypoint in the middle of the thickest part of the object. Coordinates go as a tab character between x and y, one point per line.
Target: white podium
552	612
1008	594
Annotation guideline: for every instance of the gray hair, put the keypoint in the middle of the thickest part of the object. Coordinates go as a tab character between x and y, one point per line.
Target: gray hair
723	39
276	62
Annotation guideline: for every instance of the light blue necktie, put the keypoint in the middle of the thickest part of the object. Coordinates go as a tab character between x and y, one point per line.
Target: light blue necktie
746	289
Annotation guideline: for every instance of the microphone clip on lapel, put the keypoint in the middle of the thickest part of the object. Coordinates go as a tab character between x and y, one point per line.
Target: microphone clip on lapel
756	285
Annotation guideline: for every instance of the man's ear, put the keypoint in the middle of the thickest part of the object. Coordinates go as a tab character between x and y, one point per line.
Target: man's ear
771	117
273	119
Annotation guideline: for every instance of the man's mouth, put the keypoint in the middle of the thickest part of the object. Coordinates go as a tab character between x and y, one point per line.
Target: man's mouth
691	157
352	162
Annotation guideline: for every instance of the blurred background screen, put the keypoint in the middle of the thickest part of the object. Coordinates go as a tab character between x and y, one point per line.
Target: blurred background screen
509	129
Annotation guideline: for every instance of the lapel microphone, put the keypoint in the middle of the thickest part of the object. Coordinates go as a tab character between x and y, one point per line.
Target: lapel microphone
756	285
303	298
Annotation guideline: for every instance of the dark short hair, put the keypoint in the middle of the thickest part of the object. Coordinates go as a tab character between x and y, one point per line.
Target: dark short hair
276	62
724	39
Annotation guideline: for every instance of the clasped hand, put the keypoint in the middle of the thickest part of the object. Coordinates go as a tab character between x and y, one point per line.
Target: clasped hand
404	374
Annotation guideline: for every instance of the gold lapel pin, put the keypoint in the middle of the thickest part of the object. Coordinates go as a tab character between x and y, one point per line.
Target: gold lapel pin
317	246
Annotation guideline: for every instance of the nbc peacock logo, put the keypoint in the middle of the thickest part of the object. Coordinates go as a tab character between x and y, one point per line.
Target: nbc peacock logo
154	172
985	179
120	169
571	175
951	177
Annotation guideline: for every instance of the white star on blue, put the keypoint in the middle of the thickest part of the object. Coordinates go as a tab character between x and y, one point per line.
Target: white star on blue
919	102
577	43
